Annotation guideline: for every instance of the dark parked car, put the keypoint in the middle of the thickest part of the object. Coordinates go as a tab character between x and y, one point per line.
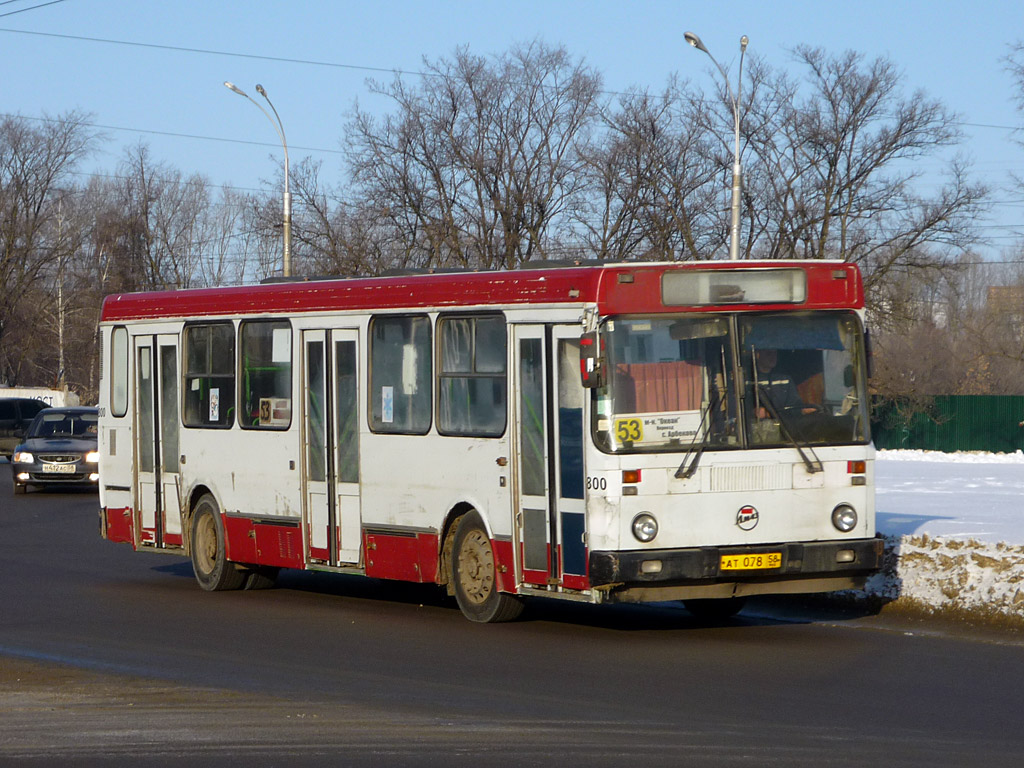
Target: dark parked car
16	413
61	448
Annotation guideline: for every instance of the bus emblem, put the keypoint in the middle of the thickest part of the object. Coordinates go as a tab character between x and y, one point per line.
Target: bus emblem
747	518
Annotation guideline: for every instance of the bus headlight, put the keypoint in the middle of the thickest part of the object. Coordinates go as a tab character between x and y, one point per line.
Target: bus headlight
645	527
844	518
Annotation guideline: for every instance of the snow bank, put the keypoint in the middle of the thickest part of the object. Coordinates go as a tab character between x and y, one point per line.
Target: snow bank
954	532
941	574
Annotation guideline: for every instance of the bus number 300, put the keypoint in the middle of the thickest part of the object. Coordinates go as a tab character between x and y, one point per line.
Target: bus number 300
597	484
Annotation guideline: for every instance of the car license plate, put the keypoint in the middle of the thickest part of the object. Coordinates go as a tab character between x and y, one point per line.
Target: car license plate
756	562
60	469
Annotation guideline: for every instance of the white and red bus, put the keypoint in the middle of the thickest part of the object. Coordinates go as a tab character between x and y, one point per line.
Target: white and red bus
607	433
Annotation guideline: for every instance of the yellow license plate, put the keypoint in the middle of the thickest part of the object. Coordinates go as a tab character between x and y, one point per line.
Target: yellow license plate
758	562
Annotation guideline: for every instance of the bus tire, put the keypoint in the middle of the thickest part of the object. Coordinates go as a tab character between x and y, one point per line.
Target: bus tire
474	575
209	559
715	609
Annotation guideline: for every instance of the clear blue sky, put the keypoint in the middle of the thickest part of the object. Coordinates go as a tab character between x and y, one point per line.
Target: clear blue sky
951	50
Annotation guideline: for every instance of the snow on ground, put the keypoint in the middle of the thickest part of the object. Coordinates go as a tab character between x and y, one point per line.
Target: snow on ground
954	528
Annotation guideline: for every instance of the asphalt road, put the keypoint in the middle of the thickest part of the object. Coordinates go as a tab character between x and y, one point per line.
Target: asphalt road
108	656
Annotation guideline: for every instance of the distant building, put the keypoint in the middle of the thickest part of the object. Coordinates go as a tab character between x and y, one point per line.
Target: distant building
1006	301
52	397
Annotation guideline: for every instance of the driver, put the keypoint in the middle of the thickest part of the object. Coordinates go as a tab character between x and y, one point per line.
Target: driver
777	387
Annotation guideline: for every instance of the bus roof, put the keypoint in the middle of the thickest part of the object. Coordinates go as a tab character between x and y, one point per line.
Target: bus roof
615	288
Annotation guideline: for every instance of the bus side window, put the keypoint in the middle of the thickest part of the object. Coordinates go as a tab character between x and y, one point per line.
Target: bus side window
401	369
119	371
209	375
472	381
266	358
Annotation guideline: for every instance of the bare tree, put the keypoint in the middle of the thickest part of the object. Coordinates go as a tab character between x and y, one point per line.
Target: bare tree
36	162
164	221
225	256
958	330
835	172
323	240
480	165
653	181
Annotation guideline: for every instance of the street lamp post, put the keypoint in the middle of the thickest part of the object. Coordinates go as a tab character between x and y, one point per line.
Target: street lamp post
286	266
737	184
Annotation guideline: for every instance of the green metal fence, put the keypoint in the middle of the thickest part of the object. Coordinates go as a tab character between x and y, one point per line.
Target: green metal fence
952	423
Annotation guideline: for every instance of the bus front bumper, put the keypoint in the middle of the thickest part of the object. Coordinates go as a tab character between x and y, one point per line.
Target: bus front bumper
666	574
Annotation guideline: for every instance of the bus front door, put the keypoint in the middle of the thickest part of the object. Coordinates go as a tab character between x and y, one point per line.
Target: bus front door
550	508
156	443
331	446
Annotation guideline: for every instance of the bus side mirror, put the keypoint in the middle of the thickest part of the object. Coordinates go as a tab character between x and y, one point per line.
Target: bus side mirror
591	361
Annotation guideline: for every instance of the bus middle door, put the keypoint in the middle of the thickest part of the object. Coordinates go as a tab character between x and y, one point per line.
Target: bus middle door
550	508
331	446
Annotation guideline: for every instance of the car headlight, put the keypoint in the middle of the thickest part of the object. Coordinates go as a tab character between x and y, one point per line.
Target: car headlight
23	457
92	457
645	527
844	518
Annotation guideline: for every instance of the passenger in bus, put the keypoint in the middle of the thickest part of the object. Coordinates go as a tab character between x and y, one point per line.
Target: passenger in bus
776	387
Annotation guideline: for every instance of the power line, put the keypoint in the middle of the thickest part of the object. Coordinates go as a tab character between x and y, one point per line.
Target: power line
211	52
266	144
22	10
308	62
314	62
176	135
210	138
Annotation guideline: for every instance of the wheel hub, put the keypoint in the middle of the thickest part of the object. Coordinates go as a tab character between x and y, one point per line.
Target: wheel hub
476	567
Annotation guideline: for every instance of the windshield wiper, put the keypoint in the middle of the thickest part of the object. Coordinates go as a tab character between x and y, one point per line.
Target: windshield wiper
812	466
686	472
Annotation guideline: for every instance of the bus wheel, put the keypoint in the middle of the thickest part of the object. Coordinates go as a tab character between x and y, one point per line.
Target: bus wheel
713	609
209	562
475	577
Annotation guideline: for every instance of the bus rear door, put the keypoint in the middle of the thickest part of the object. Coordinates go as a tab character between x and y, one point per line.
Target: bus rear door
156	446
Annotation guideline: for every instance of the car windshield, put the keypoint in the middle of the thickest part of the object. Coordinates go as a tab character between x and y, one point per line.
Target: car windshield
720	381
64	424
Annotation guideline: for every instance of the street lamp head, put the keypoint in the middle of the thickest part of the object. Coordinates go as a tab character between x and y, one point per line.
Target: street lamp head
261	91
695	41
232	87
743	43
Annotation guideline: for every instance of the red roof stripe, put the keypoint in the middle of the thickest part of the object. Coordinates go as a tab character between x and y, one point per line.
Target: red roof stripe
559	285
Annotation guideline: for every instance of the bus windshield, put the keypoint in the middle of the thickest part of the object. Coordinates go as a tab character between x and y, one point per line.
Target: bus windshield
674	383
